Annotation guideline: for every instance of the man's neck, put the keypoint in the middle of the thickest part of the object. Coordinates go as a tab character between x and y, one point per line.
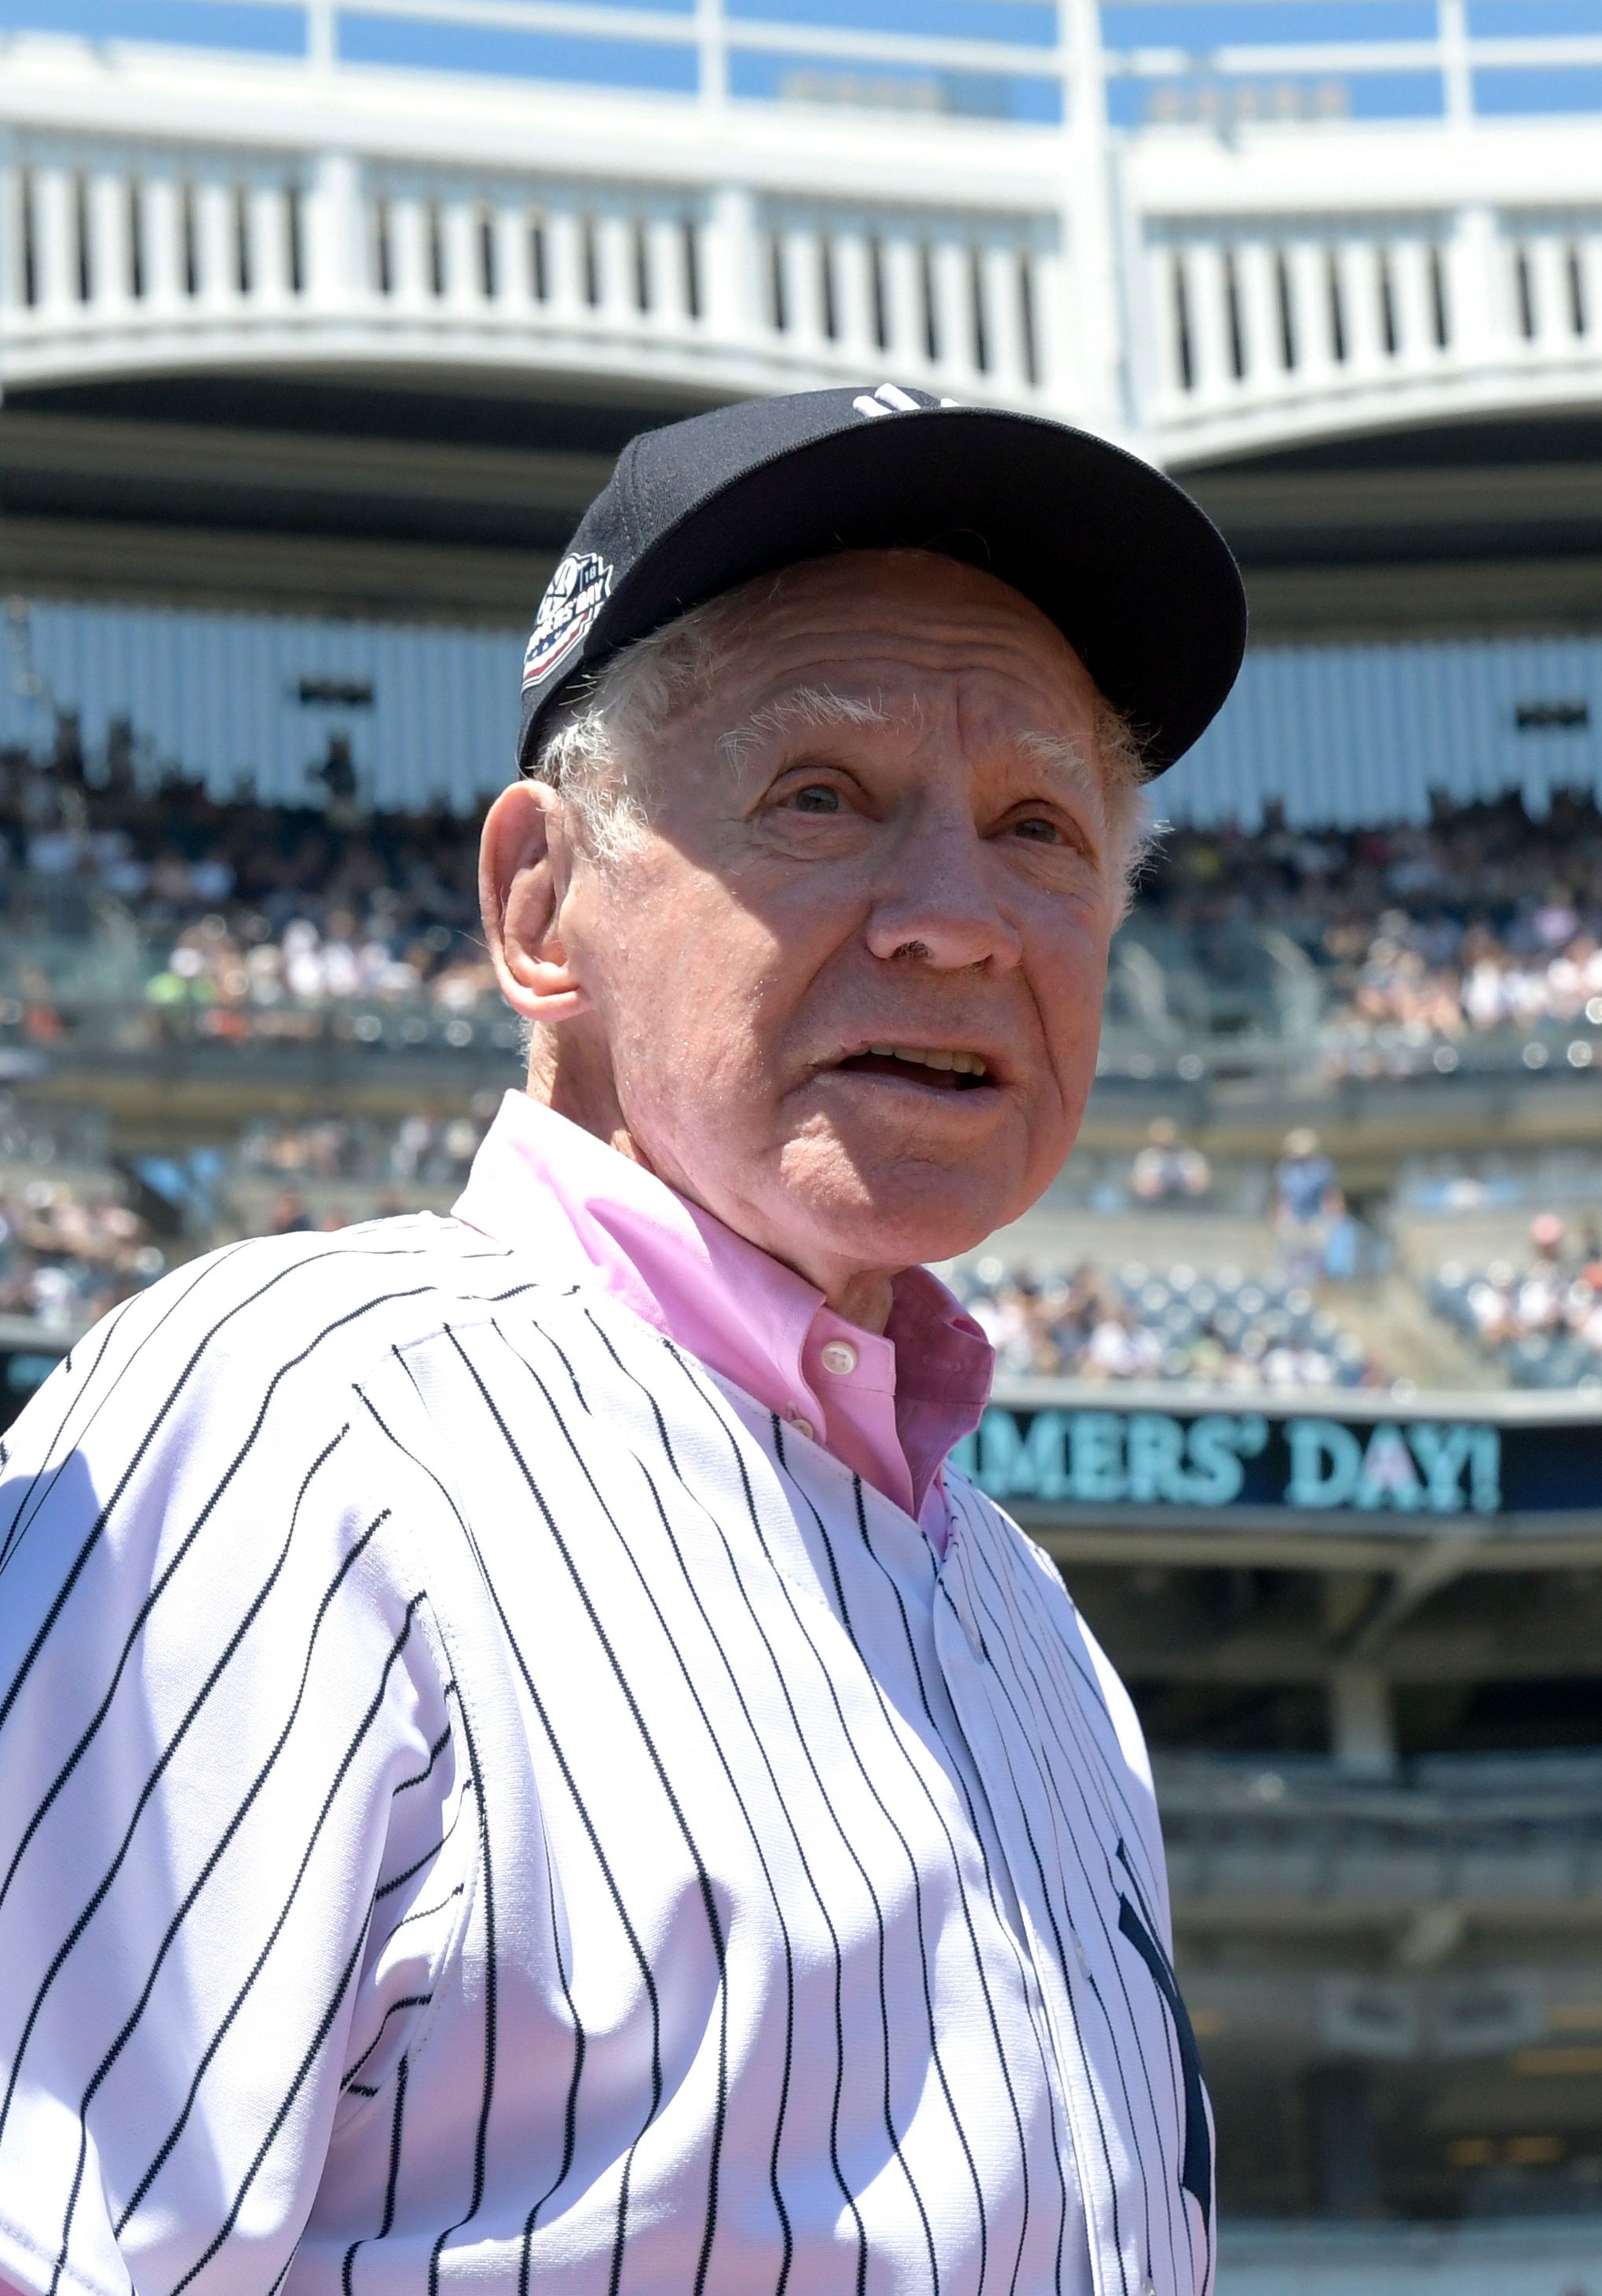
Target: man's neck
570	1086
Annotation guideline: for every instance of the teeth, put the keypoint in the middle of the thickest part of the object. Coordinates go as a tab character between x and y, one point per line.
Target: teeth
962	1063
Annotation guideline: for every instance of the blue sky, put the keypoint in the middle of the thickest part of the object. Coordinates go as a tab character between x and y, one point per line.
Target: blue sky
1192	26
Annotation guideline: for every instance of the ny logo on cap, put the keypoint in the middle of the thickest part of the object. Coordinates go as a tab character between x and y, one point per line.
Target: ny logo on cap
890	399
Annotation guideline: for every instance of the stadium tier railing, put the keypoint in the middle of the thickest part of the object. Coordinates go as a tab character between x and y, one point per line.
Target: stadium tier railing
1050	171
1531	2256
1262	1010
1507	1835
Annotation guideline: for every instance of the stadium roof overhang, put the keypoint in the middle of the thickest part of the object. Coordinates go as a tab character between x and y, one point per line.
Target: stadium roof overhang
439	492
1486	526
408	496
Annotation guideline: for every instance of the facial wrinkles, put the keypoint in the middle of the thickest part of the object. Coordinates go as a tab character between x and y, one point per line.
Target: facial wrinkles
813	641
982	629
957	732
974	754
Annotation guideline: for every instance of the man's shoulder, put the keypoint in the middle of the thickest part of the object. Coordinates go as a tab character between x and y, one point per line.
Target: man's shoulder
298	1320
380	1283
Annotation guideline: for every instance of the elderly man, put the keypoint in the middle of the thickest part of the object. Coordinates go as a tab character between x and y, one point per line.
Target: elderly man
519	1766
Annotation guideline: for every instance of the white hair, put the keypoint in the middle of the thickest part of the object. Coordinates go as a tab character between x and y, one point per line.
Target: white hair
598	746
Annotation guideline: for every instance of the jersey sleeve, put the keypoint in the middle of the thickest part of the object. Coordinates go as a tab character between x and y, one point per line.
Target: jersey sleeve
224	1721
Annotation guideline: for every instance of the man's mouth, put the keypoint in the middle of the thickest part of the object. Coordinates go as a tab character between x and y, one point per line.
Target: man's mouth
942	1072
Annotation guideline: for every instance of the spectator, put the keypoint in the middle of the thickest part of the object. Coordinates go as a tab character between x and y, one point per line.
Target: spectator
1541	1321
1429	937
1228	1330
67	1256
1305	1202
1167	1169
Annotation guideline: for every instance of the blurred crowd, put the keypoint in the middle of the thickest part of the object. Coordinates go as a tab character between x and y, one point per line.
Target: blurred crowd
69	1253
419	1151
72	1245
1540	1318
240	906
1482	918
1225	1329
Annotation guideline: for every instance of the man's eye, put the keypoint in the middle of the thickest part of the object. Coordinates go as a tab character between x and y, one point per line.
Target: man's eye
816	796
1041	832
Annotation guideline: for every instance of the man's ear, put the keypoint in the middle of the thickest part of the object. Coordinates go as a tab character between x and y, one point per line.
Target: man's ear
524	861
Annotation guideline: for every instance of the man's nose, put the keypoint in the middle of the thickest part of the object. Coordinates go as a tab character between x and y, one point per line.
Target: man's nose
936	901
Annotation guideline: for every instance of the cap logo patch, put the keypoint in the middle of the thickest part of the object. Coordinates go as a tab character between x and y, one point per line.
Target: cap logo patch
890	399
577	593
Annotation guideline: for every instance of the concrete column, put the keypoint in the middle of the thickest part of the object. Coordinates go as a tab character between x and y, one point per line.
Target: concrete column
1207	300
953	307
321	46
110	268
1311	319
1474	303
665	263
801	257
55	238
616	254
1003	316
909	349
854	300
564	263
216	234
333	233
269	231
163	216
1090	211
1260	317
1363	1733
12	267
1415	308
1451	19
729	287
1338	2104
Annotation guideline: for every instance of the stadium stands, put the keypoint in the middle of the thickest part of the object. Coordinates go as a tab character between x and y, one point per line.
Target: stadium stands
66	1257
146	903
1472	940
1222	1329
1431	943
235	905
1540	1320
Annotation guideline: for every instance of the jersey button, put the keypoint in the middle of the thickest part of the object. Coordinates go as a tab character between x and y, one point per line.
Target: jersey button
839	1356
801	1423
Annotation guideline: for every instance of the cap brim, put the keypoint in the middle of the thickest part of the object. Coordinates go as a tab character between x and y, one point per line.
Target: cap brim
1136	577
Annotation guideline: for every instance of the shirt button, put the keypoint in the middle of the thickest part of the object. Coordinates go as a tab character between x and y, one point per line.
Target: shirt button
1079	1949
839	1356
800	1423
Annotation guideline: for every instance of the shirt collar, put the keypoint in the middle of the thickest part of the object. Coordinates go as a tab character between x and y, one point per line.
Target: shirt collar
545	1185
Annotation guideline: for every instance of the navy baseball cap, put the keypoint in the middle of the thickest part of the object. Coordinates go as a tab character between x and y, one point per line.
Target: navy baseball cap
1138	579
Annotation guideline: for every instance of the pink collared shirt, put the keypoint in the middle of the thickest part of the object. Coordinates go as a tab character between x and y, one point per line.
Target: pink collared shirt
890	1407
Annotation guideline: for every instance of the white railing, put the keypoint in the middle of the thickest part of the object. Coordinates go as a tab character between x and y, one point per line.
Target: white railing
1195	291
1301	315
113	254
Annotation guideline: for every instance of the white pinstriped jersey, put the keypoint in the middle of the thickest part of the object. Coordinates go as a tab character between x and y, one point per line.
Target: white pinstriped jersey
482	1802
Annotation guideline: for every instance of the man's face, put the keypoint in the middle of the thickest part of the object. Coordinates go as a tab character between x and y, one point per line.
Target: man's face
881	833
